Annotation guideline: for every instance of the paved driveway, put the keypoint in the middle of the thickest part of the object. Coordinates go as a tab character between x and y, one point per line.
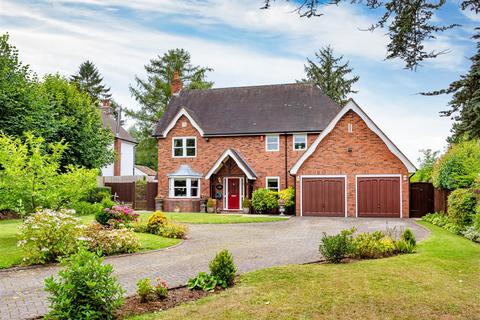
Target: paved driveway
254	246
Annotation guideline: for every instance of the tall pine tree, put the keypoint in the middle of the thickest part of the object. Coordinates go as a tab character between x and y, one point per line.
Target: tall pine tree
154	93
465	102
330	74
89	80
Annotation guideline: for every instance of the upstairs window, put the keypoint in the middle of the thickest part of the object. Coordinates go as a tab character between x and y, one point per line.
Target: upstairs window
273	183
299	141
184	147
272	142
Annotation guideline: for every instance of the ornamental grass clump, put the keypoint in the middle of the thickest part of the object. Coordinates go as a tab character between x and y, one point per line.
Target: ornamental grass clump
48	235
85	289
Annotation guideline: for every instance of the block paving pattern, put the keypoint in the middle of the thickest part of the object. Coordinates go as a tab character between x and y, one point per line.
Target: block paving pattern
254	246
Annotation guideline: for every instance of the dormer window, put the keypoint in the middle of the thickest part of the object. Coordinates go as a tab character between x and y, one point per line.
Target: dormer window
272	142
299	141
184	147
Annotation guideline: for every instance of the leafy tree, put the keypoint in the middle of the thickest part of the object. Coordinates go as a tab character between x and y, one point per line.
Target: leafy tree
409	23
459	167
78	123
52	109
30	175
22	107
146	149
154	93
330	74
89	80
427	161
465	102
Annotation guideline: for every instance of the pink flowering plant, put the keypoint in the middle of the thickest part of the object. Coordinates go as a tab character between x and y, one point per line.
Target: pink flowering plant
117	217
161	288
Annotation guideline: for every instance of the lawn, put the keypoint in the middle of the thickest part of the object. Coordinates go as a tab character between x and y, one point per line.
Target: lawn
440	281
211	218
11	255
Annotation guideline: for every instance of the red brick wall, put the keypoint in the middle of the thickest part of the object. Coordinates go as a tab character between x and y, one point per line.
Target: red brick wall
369	155
252	148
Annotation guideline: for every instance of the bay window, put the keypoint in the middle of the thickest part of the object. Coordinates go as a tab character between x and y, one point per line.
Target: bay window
184	187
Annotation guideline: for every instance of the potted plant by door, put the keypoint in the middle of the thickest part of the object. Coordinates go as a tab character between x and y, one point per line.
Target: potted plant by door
246	205
210	205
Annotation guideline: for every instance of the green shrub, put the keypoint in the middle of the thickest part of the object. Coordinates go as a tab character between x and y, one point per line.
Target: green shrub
264	200
458	167
145	290
203	281
156	221
210	203
32	177
83	208
107	241
461	207
47	235
438	219
173	230
404	246
372	245
223	268
161	288
472	234
288	195
337	247
476	219
246	203
97	194
409	237
117	217
84	289
107	203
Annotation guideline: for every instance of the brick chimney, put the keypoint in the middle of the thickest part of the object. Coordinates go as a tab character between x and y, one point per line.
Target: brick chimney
105	106
176	85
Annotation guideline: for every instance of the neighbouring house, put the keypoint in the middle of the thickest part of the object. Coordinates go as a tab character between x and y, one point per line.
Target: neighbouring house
227	142
123	145
144	171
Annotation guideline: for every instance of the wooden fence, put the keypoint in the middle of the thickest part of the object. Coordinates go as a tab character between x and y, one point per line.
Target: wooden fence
424	198
140	195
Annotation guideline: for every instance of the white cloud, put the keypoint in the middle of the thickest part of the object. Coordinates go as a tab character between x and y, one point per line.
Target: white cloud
58	37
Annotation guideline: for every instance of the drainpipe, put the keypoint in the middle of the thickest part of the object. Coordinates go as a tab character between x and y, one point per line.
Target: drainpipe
286	160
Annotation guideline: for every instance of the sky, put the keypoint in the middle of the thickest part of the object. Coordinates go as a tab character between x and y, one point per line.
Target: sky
246	46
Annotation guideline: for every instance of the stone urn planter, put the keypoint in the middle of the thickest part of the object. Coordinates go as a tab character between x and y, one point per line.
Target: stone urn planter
246	210
211	205
246	205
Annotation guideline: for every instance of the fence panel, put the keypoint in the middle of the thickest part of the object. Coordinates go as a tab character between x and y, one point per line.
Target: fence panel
421	199
125	191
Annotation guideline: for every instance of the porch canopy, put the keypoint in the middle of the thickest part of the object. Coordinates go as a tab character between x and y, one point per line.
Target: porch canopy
239	160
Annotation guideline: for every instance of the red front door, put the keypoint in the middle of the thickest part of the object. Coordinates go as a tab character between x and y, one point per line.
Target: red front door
233	193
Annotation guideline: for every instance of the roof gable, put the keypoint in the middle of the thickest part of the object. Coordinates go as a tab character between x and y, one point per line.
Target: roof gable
182	112
284	108
352	105
242	164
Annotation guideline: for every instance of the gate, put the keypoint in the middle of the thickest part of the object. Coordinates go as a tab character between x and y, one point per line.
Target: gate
140	195
422	199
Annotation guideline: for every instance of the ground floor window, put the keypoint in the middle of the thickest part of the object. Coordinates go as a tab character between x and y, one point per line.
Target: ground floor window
184	187
273	183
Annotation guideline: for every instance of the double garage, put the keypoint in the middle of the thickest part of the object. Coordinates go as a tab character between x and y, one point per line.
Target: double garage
375	196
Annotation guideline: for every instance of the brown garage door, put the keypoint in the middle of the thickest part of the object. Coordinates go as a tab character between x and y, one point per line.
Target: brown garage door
378	197
323	197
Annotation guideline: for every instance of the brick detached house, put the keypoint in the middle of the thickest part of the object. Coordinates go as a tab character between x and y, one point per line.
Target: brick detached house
227	142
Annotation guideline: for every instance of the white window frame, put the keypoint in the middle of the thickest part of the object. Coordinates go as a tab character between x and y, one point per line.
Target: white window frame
184	147
272	178
304	135
225	192
171	187
266	142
